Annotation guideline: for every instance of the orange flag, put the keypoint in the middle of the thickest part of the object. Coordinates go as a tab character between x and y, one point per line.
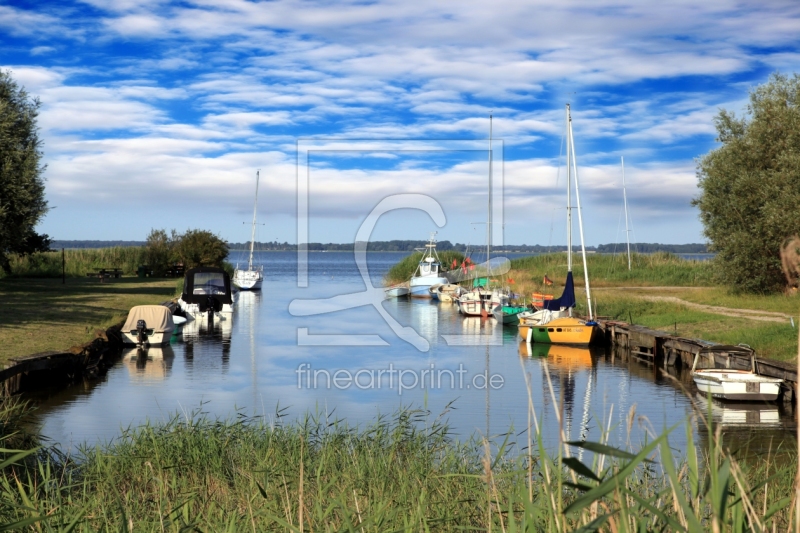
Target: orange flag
547	281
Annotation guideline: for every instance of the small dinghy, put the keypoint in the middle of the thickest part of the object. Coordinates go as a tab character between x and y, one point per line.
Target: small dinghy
148	324
733	383
396	291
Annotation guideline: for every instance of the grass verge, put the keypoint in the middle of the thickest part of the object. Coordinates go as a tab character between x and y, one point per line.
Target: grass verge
41	314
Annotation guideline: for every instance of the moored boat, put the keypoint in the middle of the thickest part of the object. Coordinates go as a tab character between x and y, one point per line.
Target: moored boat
733	383
428	273
252	278
206	293
396	291
508	314
449	292
148	324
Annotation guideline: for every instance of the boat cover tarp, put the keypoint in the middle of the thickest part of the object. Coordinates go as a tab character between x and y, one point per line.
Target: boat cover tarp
567	298
207	287
157	317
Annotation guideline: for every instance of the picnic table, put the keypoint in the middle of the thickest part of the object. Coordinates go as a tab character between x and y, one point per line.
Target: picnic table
105	273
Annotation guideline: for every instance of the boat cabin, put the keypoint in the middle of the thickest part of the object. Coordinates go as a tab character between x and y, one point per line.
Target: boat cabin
208	287
428	267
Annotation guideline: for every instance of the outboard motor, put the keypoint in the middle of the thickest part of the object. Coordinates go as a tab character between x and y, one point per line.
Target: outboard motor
141	332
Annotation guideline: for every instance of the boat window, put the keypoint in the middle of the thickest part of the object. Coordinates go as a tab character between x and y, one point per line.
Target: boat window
558	329
549	329
209	283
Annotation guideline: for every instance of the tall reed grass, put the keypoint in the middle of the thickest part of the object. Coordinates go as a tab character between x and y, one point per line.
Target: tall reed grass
401	473
78	262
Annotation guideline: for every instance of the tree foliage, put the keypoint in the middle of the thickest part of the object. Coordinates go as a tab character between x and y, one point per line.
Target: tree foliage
750	186
22	202
199	248
158	251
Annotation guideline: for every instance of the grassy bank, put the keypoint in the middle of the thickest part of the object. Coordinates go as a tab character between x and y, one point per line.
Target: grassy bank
77	262
41	314
401	473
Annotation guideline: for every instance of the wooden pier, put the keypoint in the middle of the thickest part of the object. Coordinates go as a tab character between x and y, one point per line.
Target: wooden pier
662	349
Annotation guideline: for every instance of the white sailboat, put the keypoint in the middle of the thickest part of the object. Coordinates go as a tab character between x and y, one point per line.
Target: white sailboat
250	279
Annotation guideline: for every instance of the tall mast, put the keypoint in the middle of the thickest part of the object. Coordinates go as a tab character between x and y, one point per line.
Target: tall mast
253	234
489	210
571	141
569	197
625	199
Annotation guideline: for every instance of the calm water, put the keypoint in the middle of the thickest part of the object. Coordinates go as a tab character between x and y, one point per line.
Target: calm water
265	359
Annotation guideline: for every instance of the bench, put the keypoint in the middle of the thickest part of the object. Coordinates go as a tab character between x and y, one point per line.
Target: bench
105	273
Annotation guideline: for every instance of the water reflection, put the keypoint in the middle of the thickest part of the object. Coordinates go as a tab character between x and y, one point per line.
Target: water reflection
148	364
202	338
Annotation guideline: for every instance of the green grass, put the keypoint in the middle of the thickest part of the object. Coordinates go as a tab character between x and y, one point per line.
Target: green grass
400	473
77	262
405	268
42	314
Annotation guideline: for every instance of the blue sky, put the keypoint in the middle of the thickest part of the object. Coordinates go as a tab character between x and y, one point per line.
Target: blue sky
157	114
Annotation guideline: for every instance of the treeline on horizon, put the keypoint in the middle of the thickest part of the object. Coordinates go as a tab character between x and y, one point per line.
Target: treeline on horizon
410	246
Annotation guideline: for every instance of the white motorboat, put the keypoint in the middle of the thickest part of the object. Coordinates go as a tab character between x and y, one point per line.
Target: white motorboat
449	292
396	291
481	301
206	294
428	272
733	383
252	278
148	324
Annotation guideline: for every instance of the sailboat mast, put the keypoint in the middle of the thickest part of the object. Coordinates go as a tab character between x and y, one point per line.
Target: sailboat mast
253	234
569	198
571	141
489	210
625	199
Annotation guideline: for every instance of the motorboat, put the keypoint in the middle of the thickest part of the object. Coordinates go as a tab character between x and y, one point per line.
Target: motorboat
481	301
148	324
252	278
206	294
743	384
428	273
396	291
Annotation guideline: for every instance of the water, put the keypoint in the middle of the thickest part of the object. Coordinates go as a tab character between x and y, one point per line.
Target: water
254	364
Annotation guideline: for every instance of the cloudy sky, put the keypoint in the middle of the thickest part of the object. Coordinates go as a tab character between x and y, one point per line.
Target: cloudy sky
157	114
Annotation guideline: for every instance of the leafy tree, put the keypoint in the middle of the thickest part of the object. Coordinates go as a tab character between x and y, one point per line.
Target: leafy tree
750	186
158	251
200	248
22	202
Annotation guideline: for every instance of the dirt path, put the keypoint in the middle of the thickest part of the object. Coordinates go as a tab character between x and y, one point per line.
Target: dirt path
752	314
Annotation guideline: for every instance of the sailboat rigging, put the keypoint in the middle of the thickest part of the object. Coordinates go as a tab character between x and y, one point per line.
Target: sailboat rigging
250	279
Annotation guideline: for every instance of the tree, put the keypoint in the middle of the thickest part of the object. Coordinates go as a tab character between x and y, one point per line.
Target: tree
22	202
158	251
200	248
750	186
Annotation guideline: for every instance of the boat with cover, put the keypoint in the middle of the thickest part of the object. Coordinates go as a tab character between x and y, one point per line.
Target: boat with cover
148	324
428	273
206	293
733	383
252	278
569	329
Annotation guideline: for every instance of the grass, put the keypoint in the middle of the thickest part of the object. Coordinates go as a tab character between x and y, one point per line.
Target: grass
401	473
77	262
42	314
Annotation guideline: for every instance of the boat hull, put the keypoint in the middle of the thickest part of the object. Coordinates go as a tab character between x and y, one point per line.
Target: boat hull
420	287
248	280
396	292
158	337
567	330
737	386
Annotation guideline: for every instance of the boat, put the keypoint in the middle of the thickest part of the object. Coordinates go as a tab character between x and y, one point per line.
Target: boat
428	273
206	294
569	329
148	324
529	319
508	314
733	383
396	291
449	292
252	278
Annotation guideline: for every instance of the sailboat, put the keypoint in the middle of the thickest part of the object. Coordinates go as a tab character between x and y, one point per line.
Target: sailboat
250	279
569	329
481	300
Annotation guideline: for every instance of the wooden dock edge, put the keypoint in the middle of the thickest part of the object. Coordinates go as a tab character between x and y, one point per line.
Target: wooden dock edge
661	349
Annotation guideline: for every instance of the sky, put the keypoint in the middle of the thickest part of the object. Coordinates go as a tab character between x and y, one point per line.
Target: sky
157	115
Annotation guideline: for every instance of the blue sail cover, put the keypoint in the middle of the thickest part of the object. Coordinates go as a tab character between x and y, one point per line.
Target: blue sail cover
567	298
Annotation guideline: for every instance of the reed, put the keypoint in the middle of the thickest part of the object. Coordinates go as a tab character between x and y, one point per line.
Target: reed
77	262
405	268
401	473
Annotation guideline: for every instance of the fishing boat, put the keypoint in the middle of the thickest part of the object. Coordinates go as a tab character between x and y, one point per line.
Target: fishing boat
428	273
252	278
569	329
148	325
733	383
396	291
206	294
